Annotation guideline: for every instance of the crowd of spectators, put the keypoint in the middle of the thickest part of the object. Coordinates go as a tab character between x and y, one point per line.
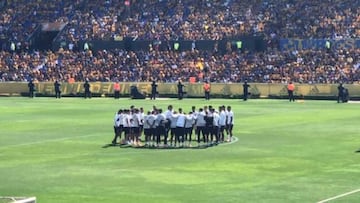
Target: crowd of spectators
182	19
307	66
20	18
186	20
205	19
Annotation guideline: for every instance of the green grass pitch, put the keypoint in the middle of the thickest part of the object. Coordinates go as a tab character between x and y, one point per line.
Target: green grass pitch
286	152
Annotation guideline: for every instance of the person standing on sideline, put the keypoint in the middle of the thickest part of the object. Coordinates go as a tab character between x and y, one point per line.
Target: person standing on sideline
340	97
57	89
180	87
116	90
87	90
207	88
245	90
153	90
291	88
31	89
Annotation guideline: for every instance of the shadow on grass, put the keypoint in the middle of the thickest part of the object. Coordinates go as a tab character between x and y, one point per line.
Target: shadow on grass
202	146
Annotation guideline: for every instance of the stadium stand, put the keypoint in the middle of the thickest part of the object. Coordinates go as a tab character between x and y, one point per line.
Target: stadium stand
88	20
309	66
186	19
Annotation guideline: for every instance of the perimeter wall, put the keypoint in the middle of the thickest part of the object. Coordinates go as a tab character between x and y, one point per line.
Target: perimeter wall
222	90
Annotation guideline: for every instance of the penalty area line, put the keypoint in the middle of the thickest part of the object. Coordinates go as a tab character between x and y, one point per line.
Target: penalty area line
339	196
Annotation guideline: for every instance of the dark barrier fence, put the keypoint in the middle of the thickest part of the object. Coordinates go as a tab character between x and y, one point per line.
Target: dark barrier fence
231	90
303	44
251	43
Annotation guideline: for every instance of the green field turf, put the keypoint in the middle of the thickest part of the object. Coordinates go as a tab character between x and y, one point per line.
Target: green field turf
286	152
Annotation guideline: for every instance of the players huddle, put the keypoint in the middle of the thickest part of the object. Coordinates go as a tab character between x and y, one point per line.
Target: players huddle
174	128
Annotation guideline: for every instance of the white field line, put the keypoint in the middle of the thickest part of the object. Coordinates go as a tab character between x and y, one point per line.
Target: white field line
354	102
338	196
235	139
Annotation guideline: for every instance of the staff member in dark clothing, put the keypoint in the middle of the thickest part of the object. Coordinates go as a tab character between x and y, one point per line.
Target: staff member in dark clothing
87	90
180	90
57	89
31	89
153	90
340	93
245	90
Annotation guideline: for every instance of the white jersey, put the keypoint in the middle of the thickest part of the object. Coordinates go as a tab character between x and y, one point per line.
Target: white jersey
216	119
189	121
134	121
151	121
200	119
195	113
168	114
181	120
126	122
222	120
141	118
194	116
117	120
230	118
160	119
121	119
145	121
173	120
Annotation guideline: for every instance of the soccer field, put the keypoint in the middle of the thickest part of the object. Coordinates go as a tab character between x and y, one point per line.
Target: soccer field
285	152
